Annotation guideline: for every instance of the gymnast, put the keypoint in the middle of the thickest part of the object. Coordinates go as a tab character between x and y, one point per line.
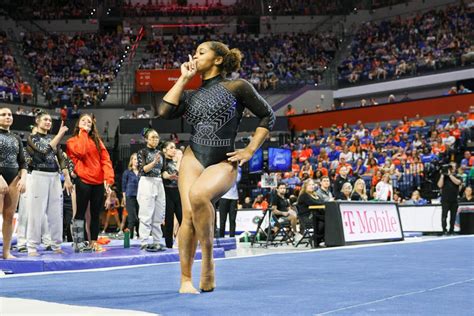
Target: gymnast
13	169
209	165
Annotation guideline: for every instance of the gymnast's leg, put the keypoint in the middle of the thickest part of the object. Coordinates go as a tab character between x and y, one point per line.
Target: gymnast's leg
189	171
214	181
10	202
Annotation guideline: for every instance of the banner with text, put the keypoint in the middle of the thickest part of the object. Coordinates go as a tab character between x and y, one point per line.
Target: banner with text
364	222
161	80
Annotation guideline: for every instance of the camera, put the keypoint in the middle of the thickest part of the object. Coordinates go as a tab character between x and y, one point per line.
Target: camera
445	169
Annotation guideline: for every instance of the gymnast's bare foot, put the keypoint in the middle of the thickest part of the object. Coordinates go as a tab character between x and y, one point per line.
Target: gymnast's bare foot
207	282
8	255
187	287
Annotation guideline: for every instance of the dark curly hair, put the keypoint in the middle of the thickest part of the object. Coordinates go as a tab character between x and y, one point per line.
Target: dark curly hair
231	57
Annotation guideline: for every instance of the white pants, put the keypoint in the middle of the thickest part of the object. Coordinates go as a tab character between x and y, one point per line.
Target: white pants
45	198
23	219
152	202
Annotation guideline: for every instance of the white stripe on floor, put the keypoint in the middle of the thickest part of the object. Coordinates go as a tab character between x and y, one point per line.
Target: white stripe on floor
19	307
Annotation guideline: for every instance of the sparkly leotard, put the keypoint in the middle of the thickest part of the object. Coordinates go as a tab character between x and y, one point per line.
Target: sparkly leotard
12	157
144	157
43	156
214	112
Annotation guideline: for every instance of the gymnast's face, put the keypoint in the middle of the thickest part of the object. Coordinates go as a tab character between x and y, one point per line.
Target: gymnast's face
206	58
170	150
44	122
6	118
152	139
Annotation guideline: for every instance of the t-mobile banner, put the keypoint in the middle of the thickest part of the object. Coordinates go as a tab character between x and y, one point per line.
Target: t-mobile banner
364	222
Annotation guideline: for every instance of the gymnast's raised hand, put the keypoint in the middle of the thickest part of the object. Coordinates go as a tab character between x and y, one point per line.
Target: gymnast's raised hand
189	68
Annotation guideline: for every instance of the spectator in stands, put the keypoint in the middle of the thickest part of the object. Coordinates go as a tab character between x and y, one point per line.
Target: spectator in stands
260	203
340	180
466	162
289	110
449	184
416	199
468	56
468	197
463	89
346	191
418	122
405	97
324	191
391	98
26	93
384	189
453	90
359	192
247	202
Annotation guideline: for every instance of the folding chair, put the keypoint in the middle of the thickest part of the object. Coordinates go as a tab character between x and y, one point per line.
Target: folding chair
284	234
306	227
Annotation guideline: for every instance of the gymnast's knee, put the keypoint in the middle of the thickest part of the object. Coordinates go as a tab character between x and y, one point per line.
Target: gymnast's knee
199	201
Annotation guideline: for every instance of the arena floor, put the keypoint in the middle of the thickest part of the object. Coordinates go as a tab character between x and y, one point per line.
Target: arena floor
419	276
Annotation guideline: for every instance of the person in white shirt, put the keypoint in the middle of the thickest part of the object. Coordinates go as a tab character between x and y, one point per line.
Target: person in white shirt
384	189
228	205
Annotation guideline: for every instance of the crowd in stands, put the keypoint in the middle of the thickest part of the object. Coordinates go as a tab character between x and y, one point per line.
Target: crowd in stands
395	48
82	9
12	87
370	102
269	61
75	69
50	9
209	8
388	162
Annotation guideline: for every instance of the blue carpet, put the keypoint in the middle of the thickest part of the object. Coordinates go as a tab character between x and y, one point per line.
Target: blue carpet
113	256
402	278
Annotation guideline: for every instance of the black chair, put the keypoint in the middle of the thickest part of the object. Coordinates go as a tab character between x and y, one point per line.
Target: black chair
284	233
306	229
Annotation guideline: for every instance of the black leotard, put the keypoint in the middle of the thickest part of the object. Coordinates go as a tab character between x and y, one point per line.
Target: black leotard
144	157
214	112
12	157
43	156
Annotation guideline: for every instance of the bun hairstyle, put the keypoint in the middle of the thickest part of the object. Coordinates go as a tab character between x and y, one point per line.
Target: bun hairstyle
146	131
39	113
231	57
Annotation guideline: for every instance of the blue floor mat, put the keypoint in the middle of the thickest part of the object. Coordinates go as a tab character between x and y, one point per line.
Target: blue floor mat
421	278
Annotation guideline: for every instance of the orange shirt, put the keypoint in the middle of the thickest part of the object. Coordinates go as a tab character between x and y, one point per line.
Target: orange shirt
92	166
438	149
419	123
295	167
376	132
262	205
290	112
324	171
25	89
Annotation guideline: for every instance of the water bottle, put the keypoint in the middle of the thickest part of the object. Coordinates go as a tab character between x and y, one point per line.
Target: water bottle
126	238
246	237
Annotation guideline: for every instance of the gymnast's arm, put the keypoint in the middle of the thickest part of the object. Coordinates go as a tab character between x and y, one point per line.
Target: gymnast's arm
173	105
250	98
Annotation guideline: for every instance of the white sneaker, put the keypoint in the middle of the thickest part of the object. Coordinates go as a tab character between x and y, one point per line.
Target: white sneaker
298	238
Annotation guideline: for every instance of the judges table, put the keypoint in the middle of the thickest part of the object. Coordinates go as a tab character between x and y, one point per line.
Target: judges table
355	222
